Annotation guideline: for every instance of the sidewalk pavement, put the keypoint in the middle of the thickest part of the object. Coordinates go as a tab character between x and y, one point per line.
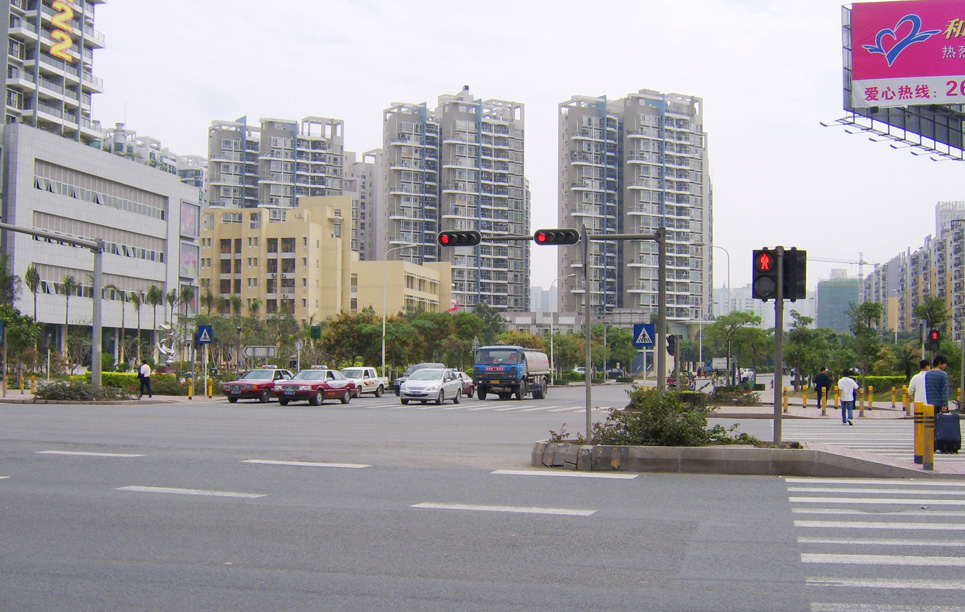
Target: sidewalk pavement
880	410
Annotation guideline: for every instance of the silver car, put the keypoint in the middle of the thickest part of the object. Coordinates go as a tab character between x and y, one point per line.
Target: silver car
431	384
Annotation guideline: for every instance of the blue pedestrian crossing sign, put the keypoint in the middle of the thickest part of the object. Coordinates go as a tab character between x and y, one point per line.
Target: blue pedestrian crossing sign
205	334
643	334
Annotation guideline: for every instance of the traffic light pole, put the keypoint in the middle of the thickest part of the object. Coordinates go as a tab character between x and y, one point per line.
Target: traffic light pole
779	349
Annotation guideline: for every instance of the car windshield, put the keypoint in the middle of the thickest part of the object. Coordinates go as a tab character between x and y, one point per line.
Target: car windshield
427	374
259	375
353	372
497	356
310	375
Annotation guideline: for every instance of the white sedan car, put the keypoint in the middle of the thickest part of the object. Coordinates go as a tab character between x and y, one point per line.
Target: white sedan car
431	384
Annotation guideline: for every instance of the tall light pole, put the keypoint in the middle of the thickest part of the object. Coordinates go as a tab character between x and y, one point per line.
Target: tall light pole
552	318
729	306
385	265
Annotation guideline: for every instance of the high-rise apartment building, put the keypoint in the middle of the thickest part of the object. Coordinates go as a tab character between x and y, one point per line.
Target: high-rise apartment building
274	163
361	181
460	167
48	65
632	166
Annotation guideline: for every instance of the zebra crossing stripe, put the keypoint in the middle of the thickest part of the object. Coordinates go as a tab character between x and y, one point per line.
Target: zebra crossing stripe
870	481
882	542
843	490
899	513
879	525
889	583
876	500
903	560
835	607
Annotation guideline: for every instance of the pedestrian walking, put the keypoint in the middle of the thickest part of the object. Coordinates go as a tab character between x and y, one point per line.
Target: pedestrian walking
822	381
916	388
848	386
936	384
144	375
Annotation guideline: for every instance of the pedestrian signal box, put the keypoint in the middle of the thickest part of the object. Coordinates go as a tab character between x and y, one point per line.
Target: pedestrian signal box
455	239
764	279
934	340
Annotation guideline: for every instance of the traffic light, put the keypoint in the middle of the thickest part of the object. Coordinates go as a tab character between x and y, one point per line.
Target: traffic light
457	239
671	345
556	236
795	274
934	340
764	284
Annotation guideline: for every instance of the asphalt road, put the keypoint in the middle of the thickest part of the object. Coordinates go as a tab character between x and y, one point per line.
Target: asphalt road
371	506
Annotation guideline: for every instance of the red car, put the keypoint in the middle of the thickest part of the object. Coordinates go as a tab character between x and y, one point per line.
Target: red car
315	386
255	384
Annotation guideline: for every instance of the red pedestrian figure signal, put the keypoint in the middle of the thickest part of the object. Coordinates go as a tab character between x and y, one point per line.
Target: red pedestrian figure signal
765	262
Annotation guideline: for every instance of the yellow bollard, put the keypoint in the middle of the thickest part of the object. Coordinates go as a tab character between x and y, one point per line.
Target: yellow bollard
191	388
32	387
861	402
785	399
905	401
871	398
210	388
21	385
894	398
919	420
823	401
804	399
928	457
837	396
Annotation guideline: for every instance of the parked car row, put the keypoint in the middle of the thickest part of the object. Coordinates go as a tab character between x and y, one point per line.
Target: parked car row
319	383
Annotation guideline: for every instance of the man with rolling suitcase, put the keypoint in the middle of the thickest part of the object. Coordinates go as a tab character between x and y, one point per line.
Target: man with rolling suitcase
948	432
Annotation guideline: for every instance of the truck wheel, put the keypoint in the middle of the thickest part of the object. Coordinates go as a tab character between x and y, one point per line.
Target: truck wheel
538	393
542	390
519	392
379	391
481	394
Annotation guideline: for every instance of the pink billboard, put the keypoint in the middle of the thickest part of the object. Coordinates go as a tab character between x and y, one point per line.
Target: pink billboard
906	53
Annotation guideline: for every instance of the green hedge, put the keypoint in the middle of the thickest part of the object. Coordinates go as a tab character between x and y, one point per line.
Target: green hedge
884	383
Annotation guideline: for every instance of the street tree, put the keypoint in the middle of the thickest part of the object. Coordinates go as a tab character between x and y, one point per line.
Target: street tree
68	287
801	349
31	278
155	297
493	322
136	300
727	327
933	311
864	327
9	282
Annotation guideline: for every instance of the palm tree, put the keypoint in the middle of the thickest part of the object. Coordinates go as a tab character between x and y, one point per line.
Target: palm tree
154	297
172	299
32	278
253	307
135	298
185	297
68	286
120	357
235	304
207	300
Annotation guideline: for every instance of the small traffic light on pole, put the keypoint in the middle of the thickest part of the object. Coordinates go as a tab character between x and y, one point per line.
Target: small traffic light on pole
556	236
462	238
795	274
671	345
764	284
934	340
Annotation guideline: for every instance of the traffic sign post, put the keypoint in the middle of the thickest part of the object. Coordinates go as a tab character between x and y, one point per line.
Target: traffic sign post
643	335
205	336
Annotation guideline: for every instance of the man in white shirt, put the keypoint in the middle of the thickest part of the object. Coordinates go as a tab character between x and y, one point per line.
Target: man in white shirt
144	373
916	388
847	386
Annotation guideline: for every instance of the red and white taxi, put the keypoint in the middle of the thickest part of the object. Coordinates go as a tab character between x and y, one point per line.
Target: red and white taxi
255	384
315	386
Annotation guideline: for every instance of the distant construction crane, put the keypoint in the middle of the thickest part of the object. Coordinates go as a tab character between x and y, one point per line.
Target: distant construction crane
861	263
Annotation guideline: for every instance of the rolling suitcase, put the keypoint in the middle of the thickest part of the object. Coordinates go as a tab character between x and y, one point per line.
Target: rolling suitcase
948	432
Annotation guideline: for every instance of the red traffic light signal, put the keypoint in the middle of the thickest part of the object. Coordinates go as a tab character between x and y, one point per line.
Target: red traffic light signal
934	340
463	238
556	236
764	283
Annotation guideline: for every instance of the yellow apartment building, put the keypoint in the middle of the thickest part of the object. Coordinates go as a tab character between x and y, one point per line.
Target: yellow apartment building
299	261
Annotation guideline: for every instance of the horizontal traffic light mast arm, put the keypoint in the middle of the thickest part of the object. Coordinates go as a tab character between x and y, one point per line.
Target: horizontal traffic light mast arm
491	238
623	236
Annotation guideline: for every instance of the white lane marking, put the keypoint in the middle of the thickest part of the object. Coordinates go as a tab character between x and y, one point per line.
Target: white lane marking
538	408
876	500
139	489
82	454
509	408
481	408
896	491
882	525
4	477
566	409
889	583
883	542
307	463
899	513
903	560
567	474
887	482
836	607
513	509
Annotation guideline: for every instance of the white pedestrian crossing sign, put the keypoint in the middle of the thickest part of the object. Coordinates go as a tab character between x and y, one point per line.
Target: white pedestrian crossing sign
643	334
205	334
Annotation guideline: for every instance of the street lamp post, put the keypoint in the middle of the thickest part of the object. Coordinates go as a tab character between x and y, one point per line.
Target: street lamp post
385	265
552	318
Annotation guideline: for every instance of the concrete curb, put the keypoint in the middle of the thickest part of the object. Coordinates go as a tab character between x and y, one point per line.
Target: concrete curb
814	460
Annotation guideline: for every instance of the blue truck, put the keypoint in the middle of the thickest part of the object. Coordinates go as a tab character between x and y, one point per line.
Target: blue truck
511	371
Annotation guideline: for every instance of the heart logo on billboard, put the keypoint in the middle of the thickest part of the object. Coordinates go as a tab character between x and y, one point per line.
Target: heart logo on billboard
888	34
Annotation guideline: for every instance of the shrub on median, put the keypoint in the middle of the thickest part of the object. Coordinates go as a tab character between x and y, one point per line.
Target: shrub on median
75	391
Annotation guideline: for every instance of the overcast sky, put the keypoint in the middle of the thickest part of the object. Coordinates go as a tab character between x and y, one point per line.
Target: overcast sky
769	71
